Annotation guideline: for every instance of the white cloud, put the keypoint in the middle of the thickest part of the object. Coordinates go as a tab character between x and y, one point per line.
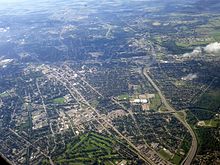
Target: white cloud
196	52
212	48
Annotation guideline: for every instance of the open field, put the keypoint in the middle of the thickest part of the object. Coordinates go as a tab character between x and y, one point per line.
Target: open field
165	154
92	148
59	100
176	159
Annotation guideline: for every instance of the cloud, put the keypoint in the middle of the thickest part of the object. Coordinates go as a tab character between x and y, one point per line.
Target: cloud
189	77
196	52
212	48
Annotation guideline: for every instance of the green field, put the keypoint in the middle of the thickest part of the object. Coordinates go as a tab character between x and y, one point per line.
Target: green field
92	148
210	100
211	29
155	102
59	100
123	97
176	159
165	154
216	35
196	43
212	123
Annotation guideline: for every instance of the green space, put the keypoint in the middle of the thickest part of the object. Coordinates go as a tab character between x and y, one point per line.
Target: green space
207	139
161	56
172	47
59	100
211	29
155	102
181	115
176	159
215	22
165	154
193	44
210	100
212	123
123	97
4	94
206	134
216	34
179	83
92	148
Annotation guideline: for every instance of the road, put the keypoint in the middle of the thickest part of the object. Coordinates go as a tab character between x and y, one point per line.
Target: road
62	79
29	143
48	117
192	152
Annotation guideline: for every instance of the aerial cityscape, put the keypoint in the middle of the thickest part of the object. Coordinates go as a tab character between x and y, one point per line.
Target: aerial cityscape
110	82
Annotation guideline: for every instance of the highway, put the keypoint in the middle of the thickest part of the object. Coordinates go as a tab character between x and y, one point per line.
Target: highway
192	152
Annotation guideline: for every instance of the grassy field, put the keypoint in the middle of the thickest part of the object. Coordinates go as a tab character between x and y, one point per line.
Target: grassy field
123	97
216	34
211	29
165	154
91	148
176	159
212	123
210	100
196	43
155	102
59	100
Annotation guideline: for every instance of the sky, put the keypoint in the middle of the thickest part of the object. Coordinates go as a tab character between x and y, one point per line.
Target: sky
11	1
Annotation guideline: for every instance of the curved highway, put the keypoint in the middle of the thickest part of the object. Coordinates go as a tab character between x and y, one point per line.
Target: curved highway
192	152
